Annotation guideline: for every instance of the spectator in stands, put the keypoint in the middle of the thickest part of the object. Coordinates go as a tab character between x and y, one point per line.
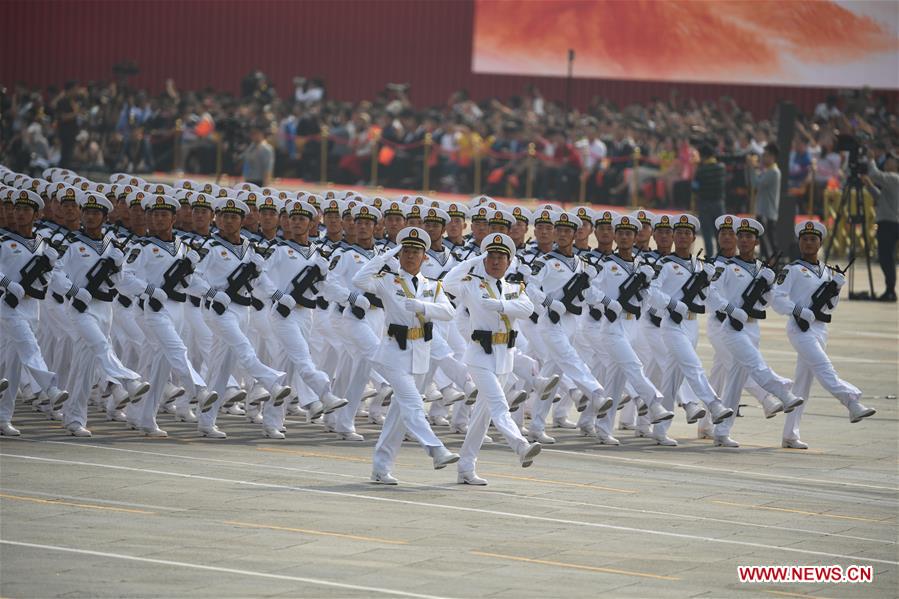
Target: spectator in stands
800	163
259	157
766	182
67	112
708	188
887	204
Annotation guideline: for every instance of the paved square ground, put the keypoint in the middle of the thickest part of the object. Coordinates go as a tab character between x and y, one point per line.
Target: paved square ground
119	515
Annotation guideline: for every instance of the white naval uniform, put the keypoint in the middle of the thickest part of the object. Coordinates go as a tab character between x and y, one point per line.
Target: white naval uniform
679	360
94	359
489	371
623	363
20	354
232	348
142	274
793	291
742	346
403	368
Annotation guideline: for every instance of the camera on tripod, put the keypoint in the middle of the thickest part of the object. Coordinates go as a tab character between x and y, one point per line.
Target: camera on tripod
857	151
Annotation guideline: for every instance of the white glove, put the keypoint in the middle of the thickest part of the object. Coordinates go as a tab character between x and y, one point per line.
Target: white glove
51	254
414	305
114	254
595	296
256	259
615	306
493	305
15	290
740	314
362	302
839	279
557	307
767	274
647	271
193	256
222	298
394	251
158	294
681	308
83	295
709	269
287	301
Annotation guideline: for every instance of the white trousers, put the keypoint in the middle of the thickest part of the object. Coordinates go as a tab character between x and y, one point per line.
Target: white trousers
19	351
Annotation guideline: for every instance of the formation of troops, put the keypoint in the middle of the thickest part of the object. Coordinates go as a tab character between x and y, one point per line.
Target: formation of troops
139	302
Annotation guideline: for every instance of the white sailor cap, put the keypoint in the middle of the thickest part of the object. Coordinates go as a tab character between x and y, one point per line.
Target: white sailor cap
662	221
810	227
644	216
521	214
626	222
183	196
457	209
6	193
585	214
210	188
394	208
188	184
160	202
750	225
500	217
313	198
412	211
435	214
478	214
377	201
498	242
247	186
231	206
26	197
414	237
94	201
365	212
725	221
686	221
201	200
159	189
249	198
332	206
566	219
478	200
604	217
329	194
302	208
543	216
136	198
272	203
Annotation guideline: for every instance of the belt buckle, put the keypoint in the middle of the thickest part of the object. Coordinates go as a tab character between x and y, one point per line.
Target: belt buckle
628	316
691	315
501	338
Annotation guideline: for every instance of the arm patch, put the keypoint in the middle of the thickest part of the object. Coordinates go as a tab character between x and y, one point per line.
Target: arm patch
133	255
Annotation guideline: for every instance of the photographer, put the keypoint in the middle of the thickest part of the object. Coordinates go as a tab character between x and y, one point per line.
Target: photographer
887	206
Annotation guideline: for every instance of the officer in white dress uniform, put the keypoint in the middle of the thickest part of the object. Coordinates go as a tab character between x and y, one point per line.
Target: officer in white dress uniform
807	292
411	303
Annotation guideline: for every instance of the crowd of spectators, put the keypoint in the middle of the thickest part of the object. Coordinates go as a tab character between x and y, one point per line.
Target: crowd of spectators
515	145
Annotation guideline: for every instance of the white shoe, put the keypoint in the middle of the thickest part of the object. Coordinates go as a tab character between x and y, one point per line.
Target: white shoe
8	430
665	440
254	418
459	429
233	395
169	407
4	384
331	402
185	414
451	395
257	395
271	432
528	453
642	432
136	389
294	410
517	399
704	433
376	419
76	430
793	444
471	393
355	437
57	397
171	392
369	392
438	421
694	411
154	432
607	440
314	410
771	406
563	423
540	437
205	400
432	394
792	403
724	441
603	405
545	386
279	393
470	478
235	410
383	478
487	440
55	415
625	399
116	416
658	413
642	408
624	426
582	401
718	412
443	457
383	396
858	412
212	432
586	431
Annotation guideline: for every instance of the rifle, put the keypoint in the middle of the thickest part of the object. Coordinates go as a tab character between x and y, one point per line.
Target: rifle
238	280
822	298
573	289
752	295
304	280
693	288
630	288
176	276
32	272
373	299
100	275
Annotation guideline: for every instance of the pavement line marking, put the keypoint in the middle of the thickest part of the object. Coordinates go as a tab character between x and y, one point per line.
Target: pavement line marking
785	478
482	490
786	594
314	454
561	483
316	532
165	562
792	511
97	499
87	506
546	562
457	508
